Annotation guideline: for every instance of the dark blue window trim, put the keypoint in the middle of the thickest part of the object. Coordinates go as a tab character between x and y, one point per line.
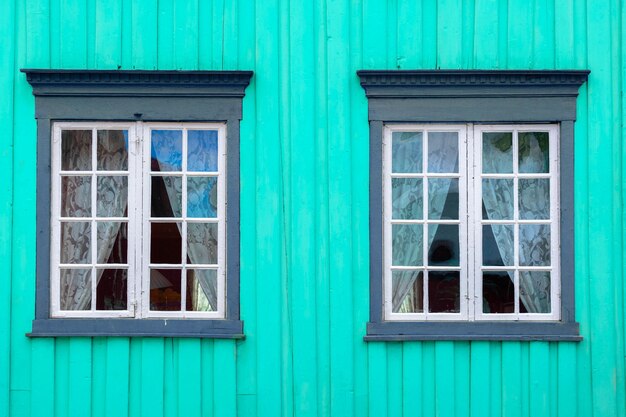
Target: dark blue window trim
448	96
165	96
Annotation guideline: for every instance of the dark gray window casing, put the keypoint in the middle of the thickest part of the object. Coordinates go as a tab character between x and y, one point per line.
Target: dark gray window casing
163	96
458	96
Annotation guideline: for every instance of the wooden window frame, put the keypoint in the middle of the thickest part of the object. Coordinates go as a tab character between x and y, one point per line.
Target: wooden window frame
480	97
137	96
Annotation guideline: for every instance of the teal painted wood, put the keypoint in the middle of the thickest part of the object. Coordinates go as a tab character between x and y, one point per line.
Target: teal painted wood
304	214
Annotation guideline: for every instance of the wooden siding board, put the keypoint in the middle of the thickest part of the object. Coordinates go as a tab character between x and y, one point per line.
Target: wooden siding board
42	400
224	374
394	379
118	357
79	374
99	378
207	348
7	82
144	25
412	379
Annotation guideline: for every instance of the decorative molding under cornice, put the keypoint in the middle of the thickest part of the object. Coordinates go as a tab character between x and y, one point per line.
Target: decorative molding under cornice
137	82
379	83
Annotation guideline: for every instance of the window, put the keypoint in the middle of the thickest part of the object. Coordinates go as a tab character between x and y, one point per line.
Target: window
138	224
471	224
471	204
138	202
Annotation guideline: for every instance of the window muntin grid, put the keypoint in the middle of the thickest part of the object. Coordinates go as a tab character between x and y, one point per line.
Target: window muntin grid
471	222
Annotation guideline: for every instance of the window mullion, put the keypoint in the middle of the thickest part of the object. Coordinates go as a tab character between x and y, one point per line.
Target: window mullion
470	219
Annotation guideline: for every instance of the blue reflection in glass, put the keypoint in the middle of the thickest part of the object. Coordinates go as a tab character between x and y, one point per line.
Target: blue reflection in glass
167	150
202	150
202	197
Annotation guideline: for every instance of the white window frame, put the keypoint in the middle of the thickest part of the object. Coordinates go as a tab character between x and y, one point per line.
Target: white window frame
470	224
138	220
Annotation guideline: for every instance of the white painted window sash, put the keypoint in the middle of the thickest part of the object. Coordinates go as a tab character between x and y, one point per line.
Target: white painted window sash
137	220
470	222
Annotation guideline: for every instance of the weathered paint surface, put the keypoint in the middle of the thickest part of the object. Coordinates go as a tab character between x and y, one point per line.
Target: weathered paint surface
304	225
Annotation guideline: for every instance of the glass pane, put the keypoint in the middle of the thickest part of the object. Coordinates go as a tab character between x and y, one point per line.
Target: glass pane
76	196
444	292
165	292
112	196
112	151
201	196
75	289
534	292
498	199
406	152
76	150
166	196
167	150
534	199
534	152
443	152
112	243
534	244
202	243
407	198
112	289
443	198
407	289
497	152
498	245
202	150
75	243
498	292
407	241
165	243
201	290
443	243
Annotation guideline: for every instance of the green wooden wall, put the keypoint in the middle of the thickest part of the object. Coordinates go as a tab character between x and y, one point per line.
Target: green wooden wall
304	220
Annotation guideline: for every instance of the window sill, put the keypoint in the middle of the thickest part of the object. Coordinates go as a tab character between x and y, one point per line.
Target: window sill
494	330
216	329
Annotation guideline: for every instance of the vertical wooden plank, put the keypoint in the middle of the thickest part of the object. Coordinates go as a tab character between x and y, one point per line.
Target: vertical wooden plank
246	350
152	381
186	34
495	378
544	35
564	46
99	377
412	371
449	35
23	219
144	34
217	46
539	400
61	377
428	379
134	377
7	78
486	34
480	392
520	39
230	35
511	379
391	38
462	364
170	380
189	383
524	380
72	37
165	35
430	32
409	34
340	205
118	356
269	218
444	378
602	35
205	33
79	384
467	34
322	267
108	34
43	378
374	42
567	379
394	379
225	381
302	213
206	362
377	354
